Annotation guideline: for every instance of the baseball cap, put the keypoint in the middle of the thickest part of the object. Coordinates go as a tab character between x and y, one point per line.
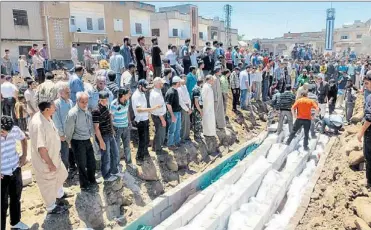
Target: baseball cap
176	79
143	83
158	79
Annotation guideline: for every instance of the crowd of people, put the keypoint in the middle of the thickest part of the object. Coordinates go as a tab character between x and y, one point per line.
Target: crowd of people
72	123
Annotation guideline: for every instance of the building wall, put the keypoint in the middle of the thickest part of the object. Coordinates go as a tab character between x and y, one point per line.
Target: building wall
32	32
163	26
203	28
143	18
182	26
81	11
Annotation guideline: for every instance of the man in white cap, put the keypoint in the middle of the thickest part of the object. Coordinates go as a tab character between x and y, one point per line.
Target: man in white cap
174	115
218	100
158	115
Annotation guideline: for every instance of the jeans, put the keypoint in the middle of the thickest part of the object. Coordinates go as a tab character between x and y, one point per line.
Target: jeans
160	133
118	80
65	151
297	125
46	65
173	135
366	153
265	89
243	98
8	107
283	114
236	98
326	122
85	160
124	135
143	135
110	157
186	126
349	107
11	188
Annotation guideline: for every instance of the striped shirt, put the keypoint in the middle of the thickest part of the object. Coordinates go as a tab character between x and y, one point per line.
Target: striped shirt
102	116
9	155
285	100
120	114
234	80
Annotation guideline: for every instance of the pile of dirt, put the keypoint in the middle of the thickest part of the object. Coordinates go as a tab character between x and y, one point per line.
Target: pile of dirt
340	199
158	174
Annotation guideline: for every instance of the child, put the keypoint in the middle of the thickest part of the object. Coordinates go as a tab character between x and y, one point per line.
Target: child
350	98
21	113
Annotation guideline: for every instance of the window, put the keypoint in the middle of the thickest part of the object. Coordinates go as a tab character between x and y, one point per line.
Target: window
89	23
20	18
156	32
73	20
100	24
23	50
138	28
201	35
214	35
118	25
344	37
359	35
175	33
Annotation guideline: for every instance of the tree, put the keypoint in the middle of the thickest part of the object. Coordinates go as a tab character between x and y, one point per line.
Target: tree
240	37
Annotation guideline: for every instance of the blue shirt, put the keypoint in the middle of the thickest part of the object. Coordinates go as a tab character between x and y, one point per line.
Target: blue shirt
191	82
76	85
116	63
60	115
351	70
94	98
120	114
126	54
185	53
343	68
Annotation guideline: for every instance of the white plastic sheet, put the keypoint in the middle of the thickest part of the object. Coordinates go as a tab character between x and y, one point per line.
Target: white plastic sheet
269	181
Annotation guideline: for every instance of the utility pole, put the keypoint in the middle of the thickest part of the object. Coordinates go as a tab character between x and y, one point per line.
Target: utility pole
227	24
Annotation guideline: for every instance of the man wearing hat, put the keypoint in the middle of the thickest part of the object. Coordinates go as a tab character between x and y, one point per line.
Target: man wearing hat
104	135
158	115
234	81
172	100
141	112
218	100
11	175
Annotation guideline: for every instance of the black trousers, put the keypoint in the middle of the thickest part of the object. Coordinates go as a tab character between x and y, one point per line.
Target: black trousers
160	133
143	134
157	70
141	74
11	188
297	125
85	160
367	153
230	66
71	160
186	65
8	107
236	98
40	75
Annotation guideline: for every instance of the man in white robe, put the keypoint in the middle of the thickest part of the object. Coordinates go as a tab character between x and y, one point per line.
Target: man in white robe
50	172
218	100
208	118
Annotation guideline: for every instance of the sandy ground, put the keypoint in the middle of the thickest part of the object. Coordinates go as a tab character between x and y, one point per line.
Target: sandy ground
34	214
332	204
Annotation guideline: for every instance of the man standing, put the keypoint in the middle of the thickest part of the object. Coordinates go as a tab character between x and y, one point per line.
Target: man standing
185	55
121	116
197	104
208	62
235	86
284	103
245	87
50	172
74	55
128	78
174	114
218	100
111	84
94	95
7	64
9	92
102	121
117	64
208	118
141	110
365	131
45	54
185	103
140	58
156	57
158	115
47	91
11	175
78	131
125	52
191	79
322	92
302	112
29	95
76	83
63	105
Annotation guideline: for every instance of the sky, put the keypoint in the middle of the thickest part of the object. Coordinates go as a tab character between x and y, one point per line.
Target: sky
273	19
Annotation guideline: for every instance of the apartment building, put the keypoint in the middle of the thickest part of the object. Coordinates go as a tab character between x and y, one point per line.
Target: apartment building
21	26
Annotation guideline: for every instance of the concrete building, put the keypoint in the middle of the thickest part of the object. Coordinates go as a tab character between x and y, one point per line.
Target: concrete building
21	26
176	23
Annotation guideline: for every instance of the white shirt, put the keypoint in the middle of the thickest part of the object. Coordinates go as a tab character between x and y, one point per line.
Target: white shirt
171	56
194	59
73	53
38	62
126	78
244	77
8	89
156	98
29	95
139	101
184	97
